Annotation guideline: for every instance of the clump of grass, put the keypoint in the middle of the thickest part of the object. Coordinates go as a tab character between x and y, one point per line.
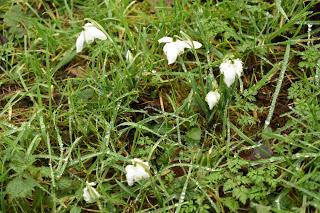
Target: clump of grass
71	119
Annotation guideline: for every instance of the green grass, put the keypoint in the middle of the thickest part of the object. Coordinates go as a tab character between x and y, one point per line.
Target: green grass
67	118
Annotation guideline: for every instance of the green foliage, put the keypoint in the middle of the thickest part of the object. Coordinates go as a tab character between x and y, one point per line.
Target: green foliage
244	182
20	187
194	135
195	206
310	58
256	185
15	20
68	118
306	102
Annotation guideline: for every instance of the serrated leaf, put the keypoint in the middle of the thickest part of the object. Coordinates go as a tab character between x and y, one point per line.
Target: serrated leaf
21	162
20	187
241	194
231	203
229	184
45	171
64	183
14	18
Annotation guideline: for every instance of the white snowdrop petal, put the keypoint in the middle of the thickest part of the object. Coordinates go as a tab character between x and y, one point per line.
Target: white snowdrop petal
171	50
80	42
228	69
137	172
130	178
238	67
145	174
88	36
229	77
184	44
129	56
212	98
97	34
191	44
92	32
165	40
86	196
130	169
196	44
141	172
130	174
180	46
90	194
225	66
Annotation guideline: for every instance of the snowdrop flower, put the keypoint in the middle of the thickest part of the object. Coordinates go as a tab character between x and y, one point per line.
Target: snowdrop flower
88	35
212	98
129	56
231	70
139	170
90	194
174	48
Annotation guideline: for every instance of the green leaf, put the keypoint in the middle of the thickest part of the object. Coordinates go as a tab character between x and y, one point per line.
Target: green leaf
194	134
21	162
65	183
263	209
75	209
20	187
241	193
231	203
229	184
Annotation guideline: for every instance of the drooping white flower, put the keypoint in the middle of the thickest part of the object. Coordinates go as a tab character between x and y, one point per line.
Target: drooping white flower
88	35
212	98
172	49
231	70
139	170
90	194
129	56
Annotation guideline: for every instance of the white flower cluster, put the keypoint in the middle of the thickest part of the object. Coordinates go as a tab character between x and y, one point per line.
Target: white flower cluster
134	173
172	49
231	69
